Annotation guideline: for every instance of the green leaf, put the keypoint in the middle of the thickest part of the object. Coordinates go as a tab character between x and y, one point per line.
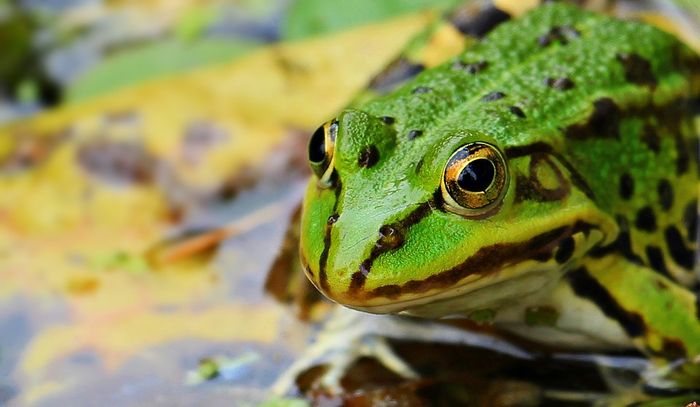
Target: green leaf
316	17
152	60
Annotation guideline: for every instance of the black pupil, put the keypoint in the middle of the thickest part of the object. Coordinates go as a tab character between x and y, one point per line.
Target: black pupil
317	146
477	175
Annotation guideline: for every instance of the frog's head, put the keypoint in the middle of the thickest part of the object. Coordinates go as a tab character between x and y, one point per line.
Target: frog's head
438	224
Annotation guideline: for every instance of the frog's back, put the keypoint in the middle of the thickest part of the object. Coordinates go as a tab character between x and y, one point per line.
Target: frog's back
613	100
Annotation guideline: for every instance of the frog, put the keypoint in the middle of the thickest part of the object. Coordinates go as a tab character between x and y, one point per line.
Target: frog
543	181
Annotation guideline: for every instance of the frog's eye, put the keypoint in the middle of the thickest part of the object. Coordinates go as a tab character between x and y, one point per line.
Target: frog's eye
321	147
474	180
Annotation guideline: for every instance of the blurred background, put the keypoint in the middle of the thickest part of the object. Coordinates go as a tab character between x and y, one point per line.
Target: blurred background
72	50
152	153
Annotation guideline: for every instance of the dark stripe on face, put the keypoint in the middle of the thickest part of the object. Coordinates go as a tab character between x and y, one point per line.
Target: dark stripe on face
541	147
391	237
530	188
487	260
566	250
399	71
585	286
323	259
683	256
480	24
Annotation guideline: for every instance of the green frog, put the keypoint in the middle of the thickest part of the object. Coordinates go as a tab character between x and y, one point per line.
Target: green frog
545	181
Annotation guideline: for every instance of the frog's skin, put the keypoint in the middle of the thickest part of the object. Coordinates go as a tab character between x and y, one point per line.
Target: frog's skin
586	234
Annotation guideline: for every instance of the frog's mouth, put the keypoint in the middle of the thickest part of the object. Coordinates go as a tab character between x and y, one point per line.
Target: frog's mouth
477	295
486	280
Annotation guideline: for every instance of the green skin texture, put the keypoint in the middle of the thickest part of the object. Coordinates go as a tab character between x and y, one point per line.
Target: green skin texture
452	115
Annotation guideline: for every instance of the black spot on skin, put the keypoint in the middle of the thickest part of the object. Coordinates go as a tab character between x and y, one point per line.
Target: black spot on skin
493	96
563	34
603	122
665	191
637	69
413	134
683	256
559	83
626	186
421	89
651	138
388	120
566	250
395	74
480	24
646	219
368	157
656	260
690	220
517	111
584	285
472	68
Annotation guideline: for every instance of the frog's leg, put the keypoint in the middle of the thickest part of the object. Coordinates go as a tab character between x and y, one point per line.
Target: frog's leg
613	303
661	317
346	337
616	303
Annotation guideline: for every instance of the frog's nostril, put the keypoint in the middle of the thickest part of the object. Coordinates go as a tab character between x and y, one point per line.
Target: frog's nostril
390	237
